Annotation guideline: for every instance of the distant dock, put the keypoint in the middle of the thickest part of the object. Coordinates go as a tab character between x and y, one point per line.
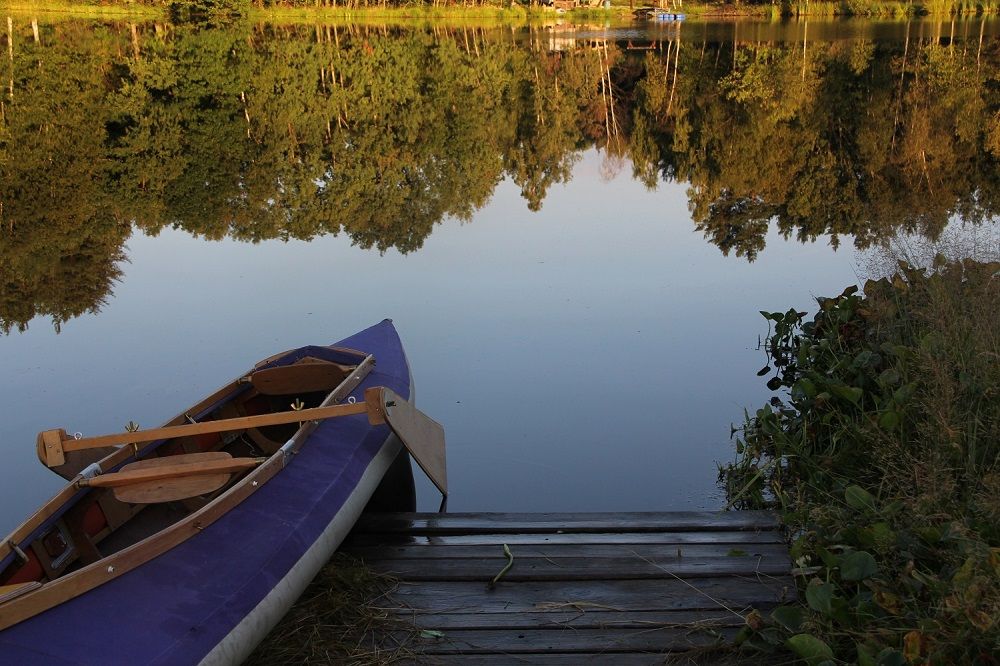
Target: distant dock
622	588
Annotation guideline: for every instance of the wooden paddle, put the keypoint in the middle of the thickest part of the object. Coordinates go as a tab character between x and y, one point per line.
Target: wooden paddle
52	445
171	478
422	436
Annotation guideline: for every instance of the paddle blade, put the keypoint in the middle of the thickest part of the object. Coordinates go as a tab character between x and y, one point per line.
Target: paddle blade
422	436
171	490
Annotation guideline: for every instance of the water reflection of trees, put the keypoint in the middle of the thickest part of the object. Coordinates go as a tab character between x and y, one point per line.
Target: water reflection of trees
261	132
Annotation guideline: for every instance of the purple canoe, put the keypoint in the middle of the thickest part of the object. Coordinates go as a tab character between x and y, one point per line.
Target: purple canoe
92	579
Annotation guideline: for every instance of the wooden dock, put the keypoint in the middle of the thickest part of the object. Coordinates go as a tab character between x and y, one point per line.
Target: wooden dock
621	588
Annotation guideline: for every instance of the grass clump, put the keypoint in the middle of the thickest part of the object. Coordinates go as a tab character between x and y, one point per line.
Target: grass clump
335	621
883	459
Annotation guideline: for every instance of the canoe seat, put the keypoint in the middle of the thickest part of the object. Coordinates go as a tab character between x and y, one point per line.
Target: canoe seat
307	376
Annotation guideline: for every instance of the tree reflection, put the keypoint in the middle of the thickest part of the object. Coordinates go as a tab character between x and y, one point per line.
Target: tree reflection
262	132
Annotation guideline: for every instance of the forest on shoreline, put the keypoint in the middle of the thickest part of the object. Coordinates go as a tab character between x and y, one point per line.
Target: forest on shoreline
259	132
508	11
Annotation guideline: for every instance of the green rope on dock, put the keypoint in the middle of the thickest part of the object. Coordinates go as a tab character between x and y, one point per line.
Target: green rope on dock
510	562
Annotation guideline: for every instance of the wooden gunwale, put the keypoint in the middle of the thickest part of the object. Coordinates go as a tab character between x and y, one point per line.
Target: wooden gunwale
64	588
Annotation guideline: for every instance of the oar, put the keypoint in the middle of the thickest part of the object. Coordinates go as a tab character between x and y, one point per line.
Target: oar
422	436
171	478
52	445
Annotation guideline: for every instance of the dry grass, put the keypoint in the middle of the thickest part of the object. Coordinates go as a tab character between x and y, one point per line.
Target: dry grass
336	621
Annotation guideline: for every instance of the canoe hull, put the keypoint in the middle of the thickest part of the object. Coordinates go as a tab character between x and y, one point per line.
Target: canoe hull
215	595
241	641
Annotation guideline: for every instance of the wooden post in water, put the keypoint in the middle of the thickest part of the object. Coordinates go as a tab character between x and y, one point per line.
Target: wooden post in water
10	52
134	31
677	66
805	45
979	53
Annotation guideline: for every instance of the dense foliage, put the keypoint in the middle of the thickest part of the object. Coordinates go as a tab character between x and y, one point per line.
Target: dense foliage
258	132
521	9
883	458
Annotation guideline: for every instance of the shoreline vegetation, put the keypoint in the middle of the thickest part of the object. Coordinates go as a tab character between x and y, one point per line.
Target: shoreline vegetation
506	11
882	457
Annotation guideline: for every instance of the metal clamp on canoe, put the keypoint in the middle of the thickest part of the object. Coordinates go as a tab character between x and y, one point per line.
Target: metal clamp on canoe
18	552
287	450
91	470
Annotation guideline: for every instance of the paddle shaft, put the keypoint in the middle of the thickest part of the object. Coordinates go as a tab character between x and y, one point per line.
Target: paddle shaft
222	425
164	472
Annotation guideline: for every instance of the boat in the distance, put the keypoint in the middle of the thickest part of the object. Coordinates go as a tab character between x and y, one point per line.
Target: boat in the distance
187	543
657	14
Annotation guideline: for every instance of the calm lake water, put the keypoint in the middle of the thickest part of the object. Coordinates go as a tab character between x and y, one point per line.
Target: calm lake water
573	228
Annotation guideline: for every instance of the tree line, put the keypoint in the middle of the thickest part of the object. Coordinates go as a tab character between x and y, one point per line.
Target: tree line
258	132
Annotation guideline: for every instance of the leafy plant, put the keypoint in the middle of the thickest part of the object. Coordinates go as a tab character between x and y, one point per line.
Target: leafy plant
883	457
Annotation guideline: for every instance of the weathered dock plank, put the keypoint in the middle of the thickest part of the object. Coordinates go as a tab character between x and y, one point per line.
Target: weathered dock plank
532	523
555	551
548	641
629	567
623	595
584	618
616	588
585	538
571	659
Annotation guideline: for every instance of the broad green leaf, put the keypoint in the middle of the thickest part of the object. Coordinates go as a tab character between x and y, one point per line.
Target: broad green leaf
884	536
889	420
889	377
866	358
857	566
819	597
859	499
850	393
831	560
810	648
928	533
789	617
804	387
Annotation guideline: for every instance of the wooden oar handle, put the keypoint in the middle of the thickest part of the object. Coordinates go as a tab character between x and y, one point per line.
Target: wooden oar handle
170	472
53	444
